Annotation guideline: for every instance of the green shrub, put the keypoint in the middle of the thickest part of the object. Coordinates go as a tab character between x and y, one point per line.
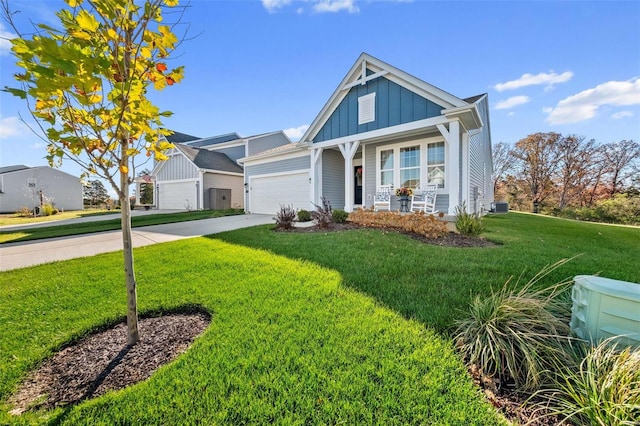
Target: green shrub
603	390
518	336
285	217
48	210
420	222
304	215
468	224
339	216
24	212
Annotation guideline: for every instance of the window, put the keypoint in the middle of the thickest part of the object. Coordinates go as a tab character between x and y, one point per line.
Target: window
410	166
367	108
386	167
435	164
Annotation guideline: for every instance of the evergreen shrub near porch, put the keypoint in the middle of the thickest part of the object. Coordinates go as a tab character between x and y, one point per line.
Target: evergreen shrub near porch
420	223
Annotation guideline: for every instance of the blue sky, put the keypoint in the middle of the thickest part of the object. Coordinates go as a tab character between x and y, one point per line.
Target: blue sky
256	66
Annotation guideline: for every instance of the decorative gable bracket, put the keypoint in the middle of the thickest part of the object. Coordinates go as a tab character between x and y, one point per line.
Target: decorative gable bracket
364	78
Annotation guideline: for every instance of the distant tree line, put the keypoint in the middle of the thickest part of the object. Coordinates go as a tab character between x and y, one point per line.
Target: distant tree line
569	176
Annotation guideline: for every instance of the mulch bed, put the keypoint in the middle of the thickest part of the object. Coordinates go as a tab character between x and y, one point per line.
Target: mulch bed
451	239
103	361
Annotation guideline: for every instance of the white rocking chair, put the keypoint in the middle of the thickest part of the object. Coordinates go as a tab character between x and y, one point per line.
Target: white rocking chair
425	200
382	198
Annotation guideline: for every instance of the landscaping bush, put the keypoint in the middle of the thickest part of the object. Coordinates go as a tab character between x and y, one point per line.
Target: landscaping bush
466	223
323	215
516	335
623	208
339	216
304	215
48	210
24	212
603	390
285	217
420	223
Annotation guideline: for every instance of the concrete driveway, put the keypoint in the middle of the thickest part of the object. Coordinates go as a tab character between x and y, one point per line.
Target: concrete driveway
20	255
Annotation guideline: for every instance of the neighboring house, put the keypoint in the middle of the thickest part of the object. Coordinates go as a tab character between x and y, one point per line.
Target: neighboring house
203	173
22	186
381	126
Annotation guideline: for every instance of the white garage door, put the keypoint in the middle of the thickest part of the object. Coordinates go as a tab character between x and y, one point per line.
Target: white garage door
266	194
178	196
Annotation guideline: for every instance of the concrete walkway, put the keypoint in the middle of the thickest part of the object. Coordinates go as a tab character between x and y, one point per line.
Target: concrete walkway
20	255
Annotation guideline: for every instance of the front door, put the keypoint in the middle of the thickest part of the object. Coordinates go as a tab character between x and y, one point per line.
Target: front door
357	190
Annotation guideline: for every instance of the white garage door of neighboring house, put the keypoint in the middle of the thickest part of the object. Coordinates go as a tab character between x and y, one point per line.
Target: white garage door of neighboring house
267	193
178	196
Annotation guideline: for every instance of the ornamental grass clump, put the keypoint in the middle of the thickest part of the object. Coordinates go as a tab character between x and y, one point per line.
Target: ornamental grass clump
323	215
518	336
466	223
603	390
285	217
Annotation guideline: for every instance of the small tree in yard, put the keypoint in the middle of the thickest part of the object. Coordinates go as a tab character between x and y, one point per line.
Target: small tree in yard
86	85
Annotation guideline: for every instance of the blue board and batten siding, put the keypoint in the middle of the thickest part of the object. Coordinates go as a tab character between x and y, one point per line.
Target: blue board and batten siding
394	105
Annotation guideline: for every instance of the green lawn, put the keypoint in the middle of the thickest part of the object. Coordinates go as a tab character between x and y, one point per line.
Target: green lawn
14	219
109	225
348	327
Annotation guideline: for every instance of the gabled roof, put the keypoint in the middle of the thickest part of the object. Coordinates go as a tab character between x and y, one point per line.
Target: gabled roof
9	169
210	160
214	140
358	75
474	99
178	137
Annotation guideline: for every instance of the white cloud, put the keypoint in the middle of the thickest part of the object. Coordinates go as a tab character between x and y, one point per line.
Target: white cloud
511	114
273	5
295	133
5	44
622	114
585	104
10	126
512	102
335	6
549	79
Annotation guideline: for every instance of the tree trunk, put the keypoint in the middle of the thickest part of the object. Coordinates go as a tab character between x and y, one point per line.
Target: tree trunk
132	298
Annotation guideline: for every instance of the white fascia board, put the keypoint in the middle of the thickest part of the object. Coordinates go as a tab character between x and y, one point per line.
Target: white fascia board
390	72
221	172
467	115
282	156
334	100
229	144
293	147
195	179
413	83
387	131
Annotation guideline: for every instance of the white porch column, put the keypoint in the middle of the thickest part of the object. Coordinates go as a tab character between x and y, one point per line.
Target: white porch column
316	177
452	137
348	150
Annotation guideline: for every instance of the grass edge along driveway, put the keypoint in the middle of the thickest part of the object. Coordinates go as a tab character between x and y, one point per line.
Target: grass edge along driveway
288	343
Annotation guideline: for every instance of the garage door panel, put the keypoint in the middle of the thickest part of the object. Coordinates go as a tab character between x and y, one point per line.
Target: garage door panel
268	193
178	196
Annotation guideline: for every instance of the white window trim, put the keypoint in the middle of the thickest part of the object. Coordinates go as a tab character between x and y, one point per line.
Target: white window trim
422	143
367	108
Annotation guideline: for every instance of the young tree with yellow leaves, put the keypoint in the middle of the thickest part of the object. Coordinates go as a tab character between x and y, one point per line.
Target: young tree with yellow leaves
86	84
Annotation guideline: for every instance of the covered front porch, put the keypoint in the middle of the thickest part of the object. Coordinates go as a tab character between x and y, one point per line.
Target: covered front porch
350	170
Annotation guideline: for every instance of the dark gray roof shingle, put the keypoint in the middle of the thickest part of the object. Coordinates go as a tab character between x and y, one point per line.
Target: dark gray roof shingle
210	160
214	140
473	99
178	137
9	169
